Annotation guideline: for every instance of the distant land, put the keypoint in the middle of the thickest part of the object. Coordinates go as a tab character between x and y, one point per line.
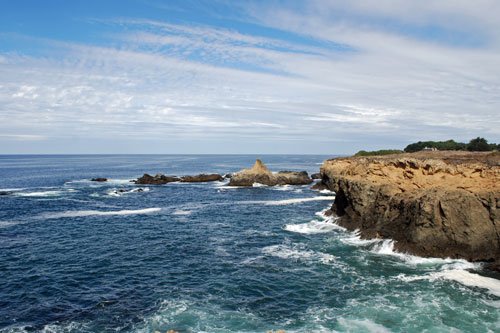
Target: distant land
477	144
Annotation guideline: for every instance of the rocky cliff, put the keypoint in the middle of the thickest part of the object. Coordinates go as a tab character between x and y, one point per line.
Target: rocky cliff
433	204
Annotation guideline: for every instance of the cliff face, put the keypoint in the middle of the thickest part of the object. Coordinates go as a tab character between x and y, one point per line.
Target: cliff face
443	204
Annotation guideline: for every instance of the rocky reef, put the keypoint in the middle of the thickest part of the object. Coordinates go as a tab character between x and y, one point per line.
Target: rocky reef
159	179
202	178
432	204
259	173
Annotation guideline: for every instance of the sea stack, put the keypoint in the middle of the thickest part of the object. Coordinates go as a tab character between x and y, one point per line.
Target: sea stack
259	173
431	205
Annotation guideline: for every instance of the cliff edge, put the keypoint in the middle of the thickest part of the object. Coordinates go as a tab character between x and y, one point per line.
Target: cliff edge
432	204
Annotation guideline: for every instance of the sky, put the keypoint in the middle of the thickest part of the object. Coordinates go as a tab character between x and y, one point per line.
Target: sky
248	77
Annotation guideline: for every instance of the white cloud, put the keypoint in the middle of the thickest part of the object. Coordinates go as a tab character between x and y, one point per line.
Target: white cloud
167	81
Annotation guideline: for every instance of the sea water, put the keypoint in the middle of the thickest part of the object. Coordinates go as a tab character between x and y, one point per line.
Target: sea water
81	256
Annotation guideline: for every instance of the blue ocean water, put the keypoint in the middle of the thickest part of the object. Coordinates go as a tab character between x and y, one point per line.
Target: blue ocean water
80	256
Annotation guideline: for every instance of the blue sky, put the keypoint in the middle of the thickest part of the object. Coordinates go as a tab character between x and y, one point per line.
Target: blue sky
333	77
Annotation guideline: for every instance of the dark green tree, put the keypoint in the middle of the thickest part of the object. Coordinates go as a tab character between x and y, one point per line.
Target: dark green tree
478	144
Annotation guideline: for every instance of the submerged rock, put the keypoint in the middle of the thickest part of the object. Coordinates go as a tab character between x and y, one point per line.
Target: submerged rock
99	180
159	179
202	178
4	193
259	173
444	206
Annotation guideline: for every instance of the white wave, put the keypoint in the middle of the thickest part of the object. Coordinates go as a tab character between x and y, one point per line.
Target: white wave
81	213
259	185
358	325
327	192
11	189
289	252
313	227
470	279
182	212
117	193
461	276
286	202
386	247
283	187
40	194
118	181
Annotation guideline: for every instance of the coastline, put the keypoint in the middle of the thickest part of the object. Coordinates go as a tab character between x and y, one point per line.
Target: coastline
432	204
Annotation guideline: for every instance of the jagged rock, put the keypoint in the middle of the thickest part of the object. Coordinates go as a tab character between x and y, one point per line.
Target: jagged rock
316	175
228	176
159	179
447	206
202	178
319	186
99	179
259	173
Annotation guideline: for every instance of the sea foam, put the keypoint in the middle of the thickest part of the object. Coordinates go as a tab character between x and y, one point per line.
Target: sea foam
286	202
285	251
80	213
313	227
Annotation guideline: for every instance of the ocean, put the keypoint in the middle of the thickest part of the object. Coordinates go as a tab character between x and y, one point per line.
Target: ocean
81	256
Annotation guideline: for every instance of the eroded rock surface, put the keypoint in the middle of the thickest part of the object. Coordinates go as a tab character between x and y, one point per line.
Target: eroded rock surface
259	173
202	178
159	179
444	204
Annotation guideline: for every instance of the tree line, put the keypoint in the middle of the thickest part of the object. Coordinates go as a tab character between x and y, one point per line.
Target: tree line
477	144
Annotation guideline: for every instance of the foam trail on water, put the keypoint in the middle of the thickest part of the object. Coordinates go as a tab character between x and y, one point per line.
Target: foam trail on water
313	227
80	213
287	201
293	252
386	247
327	192
40	194
461	276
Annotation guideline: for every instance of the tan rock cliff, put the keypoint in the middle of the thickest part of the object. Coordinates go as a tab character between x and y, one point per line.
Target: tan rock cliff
439	204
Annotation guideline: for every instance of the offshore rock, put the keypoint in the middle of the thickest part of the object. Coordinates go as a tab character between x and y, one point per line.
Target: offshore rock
259	173
202	178
99	179
433	204
316	175
159	179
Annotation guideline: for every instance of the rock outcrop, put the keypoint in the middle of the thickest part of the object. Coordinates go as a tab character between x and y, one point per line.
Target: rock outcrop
202	178
99	179
159	179
259	173
442	204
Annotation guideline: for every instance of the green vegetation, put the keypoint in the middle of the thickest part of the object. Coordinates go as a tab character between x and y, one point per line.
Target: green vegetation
379	152
477	144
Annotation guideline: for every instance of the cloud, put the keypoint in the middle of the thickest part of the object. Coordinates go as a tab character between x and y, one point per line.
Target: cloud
391	83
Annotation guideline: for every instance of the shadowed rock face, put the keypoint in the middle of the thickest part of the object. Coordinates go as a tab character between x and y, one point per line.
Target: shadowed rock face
159	179
430	206
259	173
202	178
